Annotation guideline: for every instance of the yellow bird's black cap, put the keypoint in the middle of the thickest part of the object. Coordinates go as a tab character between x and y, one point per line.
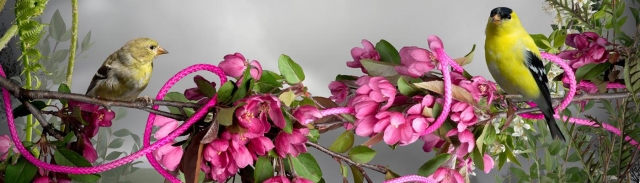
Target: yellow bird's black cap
500	13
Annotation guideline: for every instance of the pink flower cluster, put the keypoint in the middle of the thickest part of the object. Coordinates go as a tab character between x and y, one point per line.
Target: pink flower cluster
235	64
368	52
589	48
96	117
168	155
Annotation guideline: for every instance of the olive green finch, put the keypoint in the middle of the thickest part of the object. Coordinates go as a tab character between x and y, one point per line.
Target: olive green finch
126	72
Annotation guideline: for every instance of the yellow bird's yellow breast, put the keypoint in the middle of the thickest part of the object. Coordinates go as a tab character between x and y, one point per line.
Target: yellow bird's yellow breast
506	59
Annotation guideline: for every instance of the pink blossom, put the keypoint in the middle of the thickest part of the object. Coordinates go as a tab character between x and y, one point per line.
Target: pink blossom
240	154
431	141
364	106
488	163
446	175
364	126
378	89
465	163
368	52
306	114
216	154
339	91
467	141
5	145
398	129
291	143
95	116
169	156
301	180
589	48
415	61
253	115
88	152
235	64
167	125
579	87
478	86
463	114
259	146
277	179
457	77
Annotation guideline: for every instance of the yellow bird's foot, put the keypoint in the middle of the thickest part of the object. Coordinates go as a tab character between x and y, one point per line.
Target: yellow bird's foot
146	99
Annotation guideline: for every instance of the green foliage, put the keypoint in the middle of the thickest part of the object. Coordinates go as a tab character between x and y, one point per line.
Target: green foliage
432	165
344	142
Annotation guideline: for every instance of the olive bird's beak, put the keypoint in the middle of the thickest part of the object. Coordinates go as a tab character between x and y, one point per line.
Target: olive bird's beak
496	19
161	51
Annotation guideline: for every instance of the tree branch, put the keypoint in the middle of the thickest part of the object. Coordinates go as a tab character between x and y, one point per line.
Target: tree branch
377	168
19	92
43	122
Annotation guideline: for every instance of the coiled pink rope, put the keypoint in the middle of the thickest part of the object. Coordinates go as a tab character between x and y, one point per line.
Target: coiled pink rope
445	62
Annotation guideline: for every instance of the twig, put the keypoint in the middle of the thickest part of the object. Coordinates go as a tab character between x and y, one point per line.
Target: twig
74	40
365	175
8	35
38	115
377	168
19	92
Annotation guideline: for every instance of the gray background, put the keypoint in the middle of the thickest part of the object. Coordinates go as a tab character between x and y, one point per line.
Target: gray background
316	34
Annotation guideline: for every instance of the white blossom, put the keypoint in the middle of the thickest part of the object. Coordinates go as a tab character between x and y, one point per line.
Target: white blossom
496	148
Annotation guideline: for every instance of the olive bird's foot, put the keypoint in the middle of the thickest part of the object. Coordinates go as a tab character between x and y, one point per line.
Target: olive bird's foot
146	99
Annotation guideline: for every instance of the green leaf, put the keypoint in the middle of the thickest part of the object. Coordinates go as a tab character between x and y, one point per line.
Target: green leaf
306	166
290	70
590	71
574	157
343	143
555	147
21	172
264	169
205	87
376	68
341	77
467	58
86	42
287	97
636	16
57	27
244	89
116	143
387	52
548	162
224	94
225	115
390	175
21	110
541	41
559	38
121	112
632	74
406	88
483	135
358	177
288	127
519	173
361	154
314	135
268	82
478	158
122	132
67	157
432	165
113	155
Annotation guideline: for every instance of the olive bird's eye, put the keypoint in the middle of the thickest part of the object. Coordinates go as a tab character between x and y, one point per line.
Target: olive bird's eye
152	47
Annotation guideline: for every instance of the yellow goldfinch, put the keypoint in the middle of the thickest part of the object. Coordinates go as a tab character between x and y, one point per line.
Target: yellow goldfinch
126	72
515	63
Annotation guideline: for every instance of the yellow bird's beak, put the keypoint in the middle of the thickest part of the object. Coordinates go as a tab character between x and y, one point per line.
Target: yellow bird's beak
496	19
161	51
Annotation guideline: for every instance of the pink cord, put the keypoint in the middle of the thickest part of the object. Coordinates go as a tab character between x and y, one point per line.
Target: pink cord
445	62
185	126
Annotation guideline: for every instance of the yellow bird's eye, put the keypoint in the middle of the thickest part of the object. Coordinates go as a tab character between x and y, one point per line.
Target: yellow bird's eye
152	47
